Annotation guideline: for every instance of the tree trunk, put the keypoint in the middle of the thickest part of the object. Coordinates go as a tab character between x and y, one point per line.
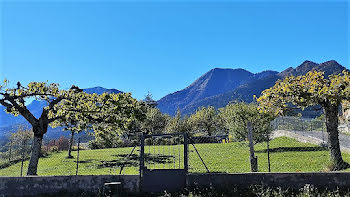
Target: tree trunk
71	145
331	112
34	159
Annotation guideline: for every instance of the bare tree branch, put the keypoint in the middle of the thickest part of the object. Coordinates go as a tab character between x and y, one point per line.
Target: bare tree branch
23	111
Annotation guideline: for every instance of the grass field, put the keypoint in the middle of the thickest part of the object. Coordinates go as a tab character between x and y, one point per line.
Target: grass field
287	155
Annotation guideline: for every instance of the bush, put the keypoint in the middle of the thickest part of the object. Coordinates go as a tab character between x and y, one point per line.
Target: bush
100	144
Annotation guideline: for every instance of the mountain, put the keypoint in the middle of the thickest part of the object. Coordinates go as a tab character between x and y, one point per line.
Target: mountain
10	123
101	90
329	67
214	82
242	90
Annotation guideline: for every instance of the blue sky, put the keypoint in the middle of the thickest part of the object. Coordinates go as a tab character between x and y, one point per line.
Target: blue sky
163	46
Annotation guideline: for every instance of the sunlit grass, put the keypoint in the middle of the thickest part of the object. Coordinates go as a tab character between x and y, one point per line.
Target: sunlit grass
286	155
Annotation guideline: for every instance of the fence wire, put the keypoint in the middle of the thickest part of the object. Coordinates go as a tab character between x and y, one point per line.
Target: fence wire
164	152
294	145
54	160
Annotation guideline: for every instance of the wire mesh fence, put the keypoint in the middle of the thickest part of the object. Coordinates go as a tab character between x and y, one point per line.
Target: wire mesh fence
164	152
281	154
298	124
54	160
15	152
294	145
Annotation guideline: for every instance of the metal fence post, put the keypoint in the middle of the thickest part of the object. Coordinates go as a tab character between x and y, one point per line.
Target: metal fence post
77	169
185	153
268	154
142	159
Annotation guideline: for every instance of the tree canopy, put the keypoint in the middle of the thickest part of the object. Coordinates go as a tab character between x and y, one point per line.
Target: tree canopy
236	117
205	120
106	113
307	90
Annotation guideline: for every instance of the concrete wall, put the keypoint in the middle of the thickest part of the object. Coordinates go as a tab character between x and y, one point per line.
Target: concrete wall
93	185
40	185
330	180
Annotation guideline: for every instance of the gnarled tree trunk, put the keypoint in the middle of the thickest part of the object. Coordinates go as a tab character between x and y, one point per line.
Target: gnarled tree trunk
34	159
331	112
39	129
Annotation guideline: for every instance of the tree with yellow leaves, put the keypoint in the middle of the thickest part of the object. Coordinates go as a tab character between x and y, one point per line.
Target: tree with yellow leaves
307	90
73	108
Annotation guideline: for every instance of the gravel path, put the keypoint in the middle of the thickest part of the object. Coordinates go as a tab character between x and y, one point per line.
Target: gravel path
317	137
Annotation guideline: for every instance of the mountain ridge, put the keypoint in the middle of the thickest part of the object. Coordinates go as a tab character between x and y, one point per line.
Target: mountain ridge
244	91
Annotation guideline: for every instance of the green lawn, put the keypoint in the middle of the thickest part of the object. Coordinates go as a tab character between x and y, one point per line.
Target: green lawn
287	155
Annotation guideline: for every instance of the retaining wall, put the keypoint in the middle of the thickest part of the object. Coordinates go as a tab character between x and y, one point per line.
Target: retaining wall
331	180
74	185
93	185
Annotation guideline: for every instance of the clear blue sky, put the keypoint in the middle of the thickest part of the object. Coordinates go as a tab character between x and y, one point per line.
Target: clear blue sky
160	46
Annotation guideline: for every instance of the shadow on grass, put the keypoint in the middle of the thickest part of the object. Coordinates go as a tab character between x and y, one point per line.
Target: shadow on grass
293	149
86	161
133	160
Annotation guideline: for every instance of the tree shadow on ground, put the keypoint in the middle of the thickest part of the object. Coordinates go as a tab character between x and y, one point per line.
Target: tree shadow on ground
133	160
293	149
86	161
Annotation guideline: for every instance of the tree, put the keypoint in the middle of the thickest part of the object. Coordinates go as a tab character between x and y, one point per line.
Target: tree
62	143
20	142
22	134
236	117
74	116
309	90
177	124
112	116
155	121
71	142
14	101
205	120
106	112
149	100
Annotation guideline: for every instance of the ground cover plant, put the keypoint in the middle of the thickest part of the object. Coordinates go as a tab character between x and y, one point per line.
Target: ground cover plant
229	190
260	191
286	155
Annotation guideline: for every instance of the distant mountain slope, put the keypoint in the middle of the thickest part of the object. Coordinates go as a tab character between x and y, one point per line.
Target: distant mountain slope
214	82
244	90
242	93
101	90
329	67
9	123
